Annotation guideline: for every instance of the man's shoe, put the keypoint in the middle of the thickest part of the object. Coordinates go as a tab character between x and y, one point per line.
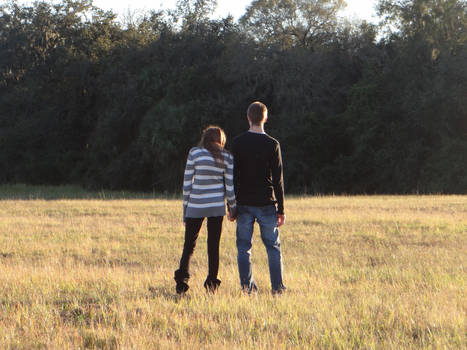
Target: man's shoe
251	289
279	291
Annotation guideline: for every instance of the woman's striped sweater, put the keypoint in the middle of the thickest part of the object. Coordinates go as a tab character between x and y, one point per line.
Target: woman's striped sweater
207	184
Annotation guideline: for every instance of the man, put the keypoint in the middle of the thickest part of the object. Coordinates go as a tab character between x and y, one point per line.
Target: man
258	182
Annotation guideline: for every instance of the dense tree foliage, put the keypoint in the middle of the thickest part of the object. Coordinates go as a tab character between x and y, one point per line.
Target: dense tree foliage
358	108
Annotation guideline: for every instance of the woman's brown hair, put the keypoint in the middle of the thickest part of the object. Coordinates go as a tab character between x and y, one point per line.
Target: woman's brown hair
213	139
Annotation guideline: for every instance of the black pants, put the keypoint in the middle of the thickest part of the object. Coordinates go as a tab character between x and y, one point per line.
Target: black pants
192	228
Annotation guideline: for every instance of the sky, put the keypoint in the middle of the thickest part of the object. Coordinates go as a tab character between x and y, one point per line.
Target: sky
362	9
358	9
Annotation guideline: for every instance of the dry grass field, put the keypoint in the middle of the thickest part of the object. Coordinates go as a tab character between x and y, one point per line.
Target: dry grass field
95	271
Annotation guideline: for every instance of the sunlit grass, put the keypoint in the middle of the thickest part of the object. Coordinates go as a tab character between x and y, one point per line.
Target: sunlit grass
381	272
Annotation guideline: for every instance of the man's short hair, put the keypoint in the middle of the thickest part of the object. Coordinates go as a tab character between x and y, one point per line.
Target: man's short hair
257	113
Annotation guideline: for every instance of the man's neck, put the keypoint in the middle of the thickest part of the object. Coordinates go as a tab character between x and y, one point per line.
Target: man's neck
259	129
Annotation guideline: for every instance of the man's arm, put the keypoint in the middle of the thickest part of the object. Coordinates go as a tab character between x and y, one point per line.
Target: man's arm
278	180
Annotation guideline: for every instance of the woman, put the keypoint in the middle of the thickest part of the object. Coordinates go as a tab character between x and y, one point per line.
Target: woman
208	181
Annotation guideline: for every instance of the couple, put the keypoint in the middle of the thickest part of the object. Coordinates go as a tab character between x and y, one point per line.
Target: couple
254	169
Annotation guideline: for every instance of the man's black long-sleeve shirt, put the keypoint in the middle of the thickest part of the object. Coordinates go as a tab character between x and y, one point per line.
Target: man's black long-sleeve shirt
258	178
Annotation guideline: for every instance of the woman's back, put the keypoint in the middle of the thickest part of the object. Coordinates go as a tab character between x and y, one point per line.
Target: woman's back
207	183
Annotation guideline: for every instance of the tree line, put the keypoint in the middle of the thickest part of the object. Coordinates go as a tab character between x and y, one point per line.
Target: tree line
88	99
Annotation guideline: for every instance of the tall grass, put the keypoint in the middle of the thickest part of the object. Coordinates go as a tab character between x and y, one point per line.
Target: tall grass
381	272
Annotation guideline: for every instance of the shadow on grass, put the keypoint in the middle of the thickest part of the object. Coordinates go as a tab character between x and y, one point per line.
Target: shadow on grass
30	192
163	292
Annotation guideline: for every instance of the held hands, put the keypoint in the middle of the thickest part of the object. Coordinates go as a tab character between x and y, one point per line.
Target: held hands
280	220
231	214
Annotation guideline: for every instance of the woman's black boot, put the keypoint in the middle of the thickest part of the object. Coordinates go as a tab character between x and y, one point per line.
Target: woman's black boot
181	278
211	284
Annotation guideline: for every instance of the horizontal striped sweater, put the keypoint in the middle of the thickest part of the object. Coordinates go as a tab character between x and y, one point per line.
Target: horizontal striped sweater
207	184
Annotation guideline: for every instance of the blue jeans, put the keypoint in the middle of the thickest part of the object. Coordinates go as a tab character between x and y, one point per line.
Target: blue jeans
267	220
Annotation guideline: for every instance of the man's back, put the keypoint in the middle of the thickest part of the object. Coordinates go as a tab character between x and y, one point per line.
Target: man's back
258	170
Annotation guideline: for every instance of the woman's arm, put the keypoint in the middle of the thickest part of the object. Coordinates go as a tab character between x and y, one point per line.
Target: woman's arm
229	184
188	181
